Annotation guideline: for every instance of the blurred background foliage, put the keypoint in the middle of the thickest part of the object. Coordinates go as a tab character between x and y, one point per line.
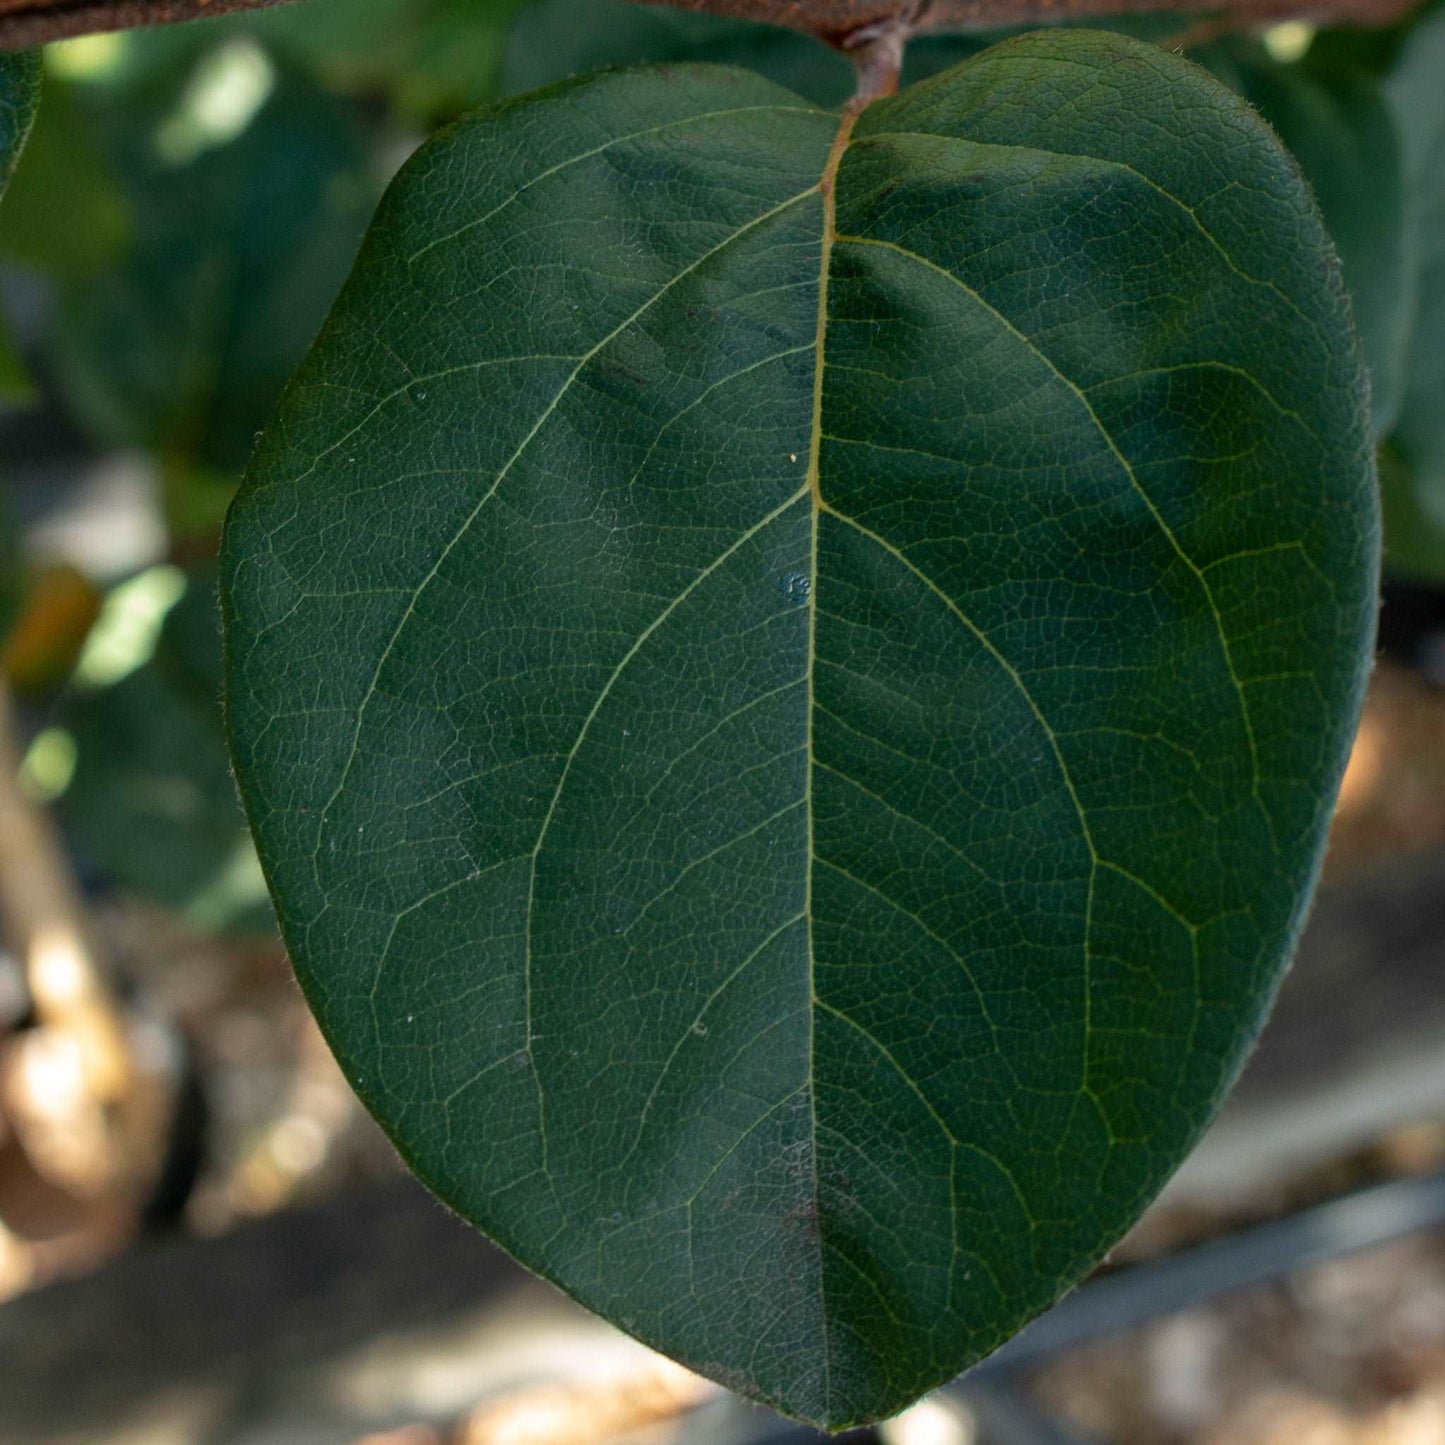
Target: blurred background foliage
188	206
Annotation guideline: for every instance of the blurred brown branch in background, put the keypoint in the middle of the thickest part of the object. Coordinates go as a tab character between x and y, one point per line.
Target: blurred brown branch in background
85	1103
846	24
651	1392
27	23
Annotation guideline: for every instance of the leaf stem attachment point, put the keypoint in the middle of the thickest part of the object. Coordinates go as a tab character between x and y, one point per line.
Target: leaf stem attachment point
877	55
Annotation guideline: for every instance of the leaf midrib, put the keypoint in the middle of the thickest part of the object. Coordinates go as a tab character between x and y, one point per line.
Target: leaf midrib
828	188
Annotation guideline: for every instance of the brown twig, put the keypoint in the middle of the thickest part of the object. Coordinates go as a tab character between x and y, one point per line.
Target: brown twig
840	21
43	917
877	54
103	1132
27	23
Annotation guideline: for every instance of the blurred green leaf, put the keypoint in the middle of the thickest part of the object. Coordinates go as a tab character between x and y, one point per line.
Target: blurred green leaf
1367	52
16	387
429	59
1414	520
432	58
455	56
65	214
554	39
1416	92
151	800
246	224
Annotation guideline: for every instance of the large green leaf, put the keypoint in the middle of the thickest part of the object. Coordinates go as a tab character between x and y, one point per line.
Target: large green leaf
789	681
182	342
151	801
65	214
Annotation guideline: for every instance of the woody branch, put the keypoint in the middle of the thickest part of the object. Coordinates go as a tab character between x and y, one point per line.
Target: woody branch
869	28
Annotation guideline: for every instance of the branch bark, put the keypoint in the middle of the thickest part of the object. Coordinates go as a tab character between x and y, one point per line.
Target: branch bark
845	24
25	24
103	1132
